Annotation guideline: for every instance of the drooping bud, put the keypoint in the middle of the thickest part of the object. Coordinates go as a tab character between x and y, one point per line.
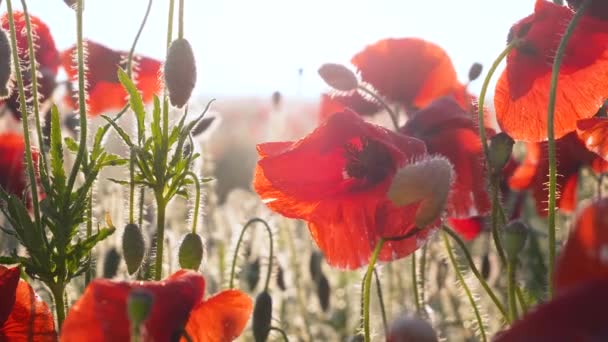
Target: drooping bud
501	146
133	247
411	329
180	72
251	274
262	315
514	238
338	77
428	182
6	69
202	126
475	71
314	265
71	3
191	252
277	98
323	292
485	266
281	278
357	338
139	306
110	263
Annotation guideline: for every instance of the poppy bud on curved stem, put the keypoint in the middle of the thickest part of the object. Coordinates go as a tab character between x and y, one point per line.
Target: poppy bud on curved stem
514	238
5	65
501	147
475	71
110	263
411	329
427	181
190	253
238	245
180	72
323	292
262	315
133	247
139	306
71	3
338	77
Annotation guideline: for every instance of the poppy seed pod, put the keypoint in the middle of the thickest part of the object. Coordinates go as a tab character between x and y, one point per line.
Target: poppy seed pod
262	314
133	247
191	252
180	72
514	238
338	77
110	263
323	292
139	305
501	146
5	65
411	329
475	71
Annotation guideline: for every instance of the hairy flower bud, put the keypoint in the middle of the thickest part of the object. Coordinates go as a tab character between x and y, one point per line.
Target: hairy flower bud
501	146
133	247
411	329
191	252
281	278
338	77
180	72
251	273
262	315
514	238
5	65
323	292
475	71
111	261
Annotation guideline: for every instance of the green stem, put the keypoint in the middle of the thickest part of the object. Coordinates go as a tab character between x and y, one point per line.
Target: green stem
511	290
464	285
139	31
279	330
34	80
165	98
381	302
496	207
415	285
180	31
88	275
197	200
58	290
24	116
367	288
238	246
161	207
423	276
476	272
551	140
387	108
132	188
82	106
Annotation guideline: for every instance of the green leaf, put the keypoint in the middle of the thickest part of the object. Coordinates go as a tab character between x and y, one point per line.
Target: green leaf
156	129
136	102
7	260
121	132
71	144
57	170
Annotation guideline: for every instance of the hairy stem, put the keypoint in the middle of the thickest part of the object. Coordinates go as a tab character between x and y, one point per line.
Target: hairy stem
238	245
367	289
161	207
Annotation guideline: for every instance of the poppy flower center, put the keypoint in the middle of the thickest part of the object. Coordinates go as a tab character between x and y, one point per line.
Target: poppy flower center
370	160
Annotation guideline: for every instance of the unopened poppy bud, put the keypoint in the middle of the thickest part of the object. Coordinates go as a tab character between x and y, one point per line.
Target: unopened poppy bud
475	71
110	263
501	146
356	338
133	247
202	126
281	278
71	3
139	306
411	329
191	252
314	265
262	315
251	273
323	291
5	65
514	238
428	182
338	77
180	72
485	266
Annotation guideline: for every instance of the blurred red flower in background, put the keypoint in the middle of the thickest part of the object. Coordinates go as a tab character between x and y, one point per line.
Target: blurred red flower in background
578	312
336	178
12	163
46	55
469	228
597	8
594	133
103	87
532	173
448	130
23	315
522	92
177	303
409	71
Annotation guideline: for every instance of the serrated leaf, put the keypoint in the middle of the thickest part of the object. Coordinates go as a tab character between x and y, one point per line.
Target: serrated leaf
71	144
121	132
7	260
57	170
136	102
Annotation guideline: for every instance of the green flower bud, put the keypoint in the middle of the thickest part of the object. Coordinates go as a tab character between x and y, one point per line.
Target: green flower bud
180	72
262	315
191	252
110	263
251	273
323	291
139	305
338	77
133	247
514	238
475	71
411	329
501	146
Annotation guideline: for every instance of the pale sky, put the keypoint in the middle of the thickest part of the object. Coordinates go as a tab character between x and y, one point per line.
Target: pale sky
253	47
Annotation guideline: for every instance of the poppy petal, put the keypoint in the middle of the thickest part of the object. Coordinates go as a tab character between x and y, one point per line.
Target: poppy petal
106	301
220	318
338	103
12	163
468	228
522	91
594	133
9	278
30	318
410	71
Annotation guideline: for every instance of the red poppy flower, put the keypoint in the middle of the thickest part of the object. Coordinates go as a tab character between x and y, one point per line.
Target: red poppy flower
46	54
103	87
331	104
469	228
23	315
597	8
12	163
594	133
409	71
522	92
177	302
448	130
532	173
337	179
